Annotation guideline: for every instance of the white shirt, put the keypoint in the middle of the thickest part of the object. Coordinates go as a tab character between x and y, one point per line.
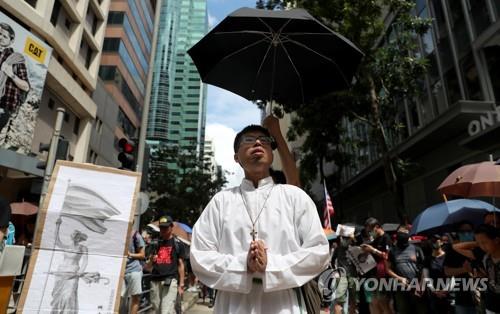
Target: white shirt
290	227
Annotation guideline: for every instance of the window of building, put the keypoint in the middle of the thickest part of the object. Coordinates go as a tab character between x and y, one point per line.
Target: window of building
193	87
56	10
135	44
174	132
192	112
480	16
76	126
439	96
111	44
497	8
98	126
138	20
413	115
176	113
125	124
452	86
31	2
459	27
116	17
191	129
471	78
85	53
91	20
193	95
51	104
92	157
66	117
107	72
492	55
177	96
67	23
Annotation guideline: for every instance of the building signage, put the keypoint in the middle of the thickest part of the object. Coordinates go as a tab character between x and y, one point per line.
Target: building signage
484	122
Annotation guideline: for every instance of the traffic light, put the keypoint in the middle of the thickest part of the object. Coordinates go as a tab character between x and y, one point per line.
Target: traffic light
61	152
127	154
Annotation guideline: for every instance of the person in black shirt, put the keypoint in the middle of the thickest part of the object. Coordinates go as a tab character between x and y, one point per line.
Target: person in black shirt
488	239
405	263
379	248
439	301
458	266
167	275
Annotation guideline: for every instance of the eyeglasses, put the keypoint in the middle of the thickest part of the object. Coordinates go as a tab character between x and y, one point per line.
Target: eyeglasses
250	140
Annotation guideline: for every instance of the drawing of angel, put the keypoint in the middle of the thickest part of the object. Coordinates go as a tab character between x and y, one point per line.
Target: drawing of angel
91	210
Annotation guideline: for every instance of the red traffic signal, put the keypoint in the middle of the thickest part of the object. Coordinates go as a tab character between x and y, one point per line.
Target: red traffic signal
127	154
126	146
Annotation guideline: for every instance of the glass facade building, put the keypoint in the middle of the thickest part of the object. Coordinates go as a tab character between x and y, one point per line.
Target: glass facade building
125	61
178	98
453	122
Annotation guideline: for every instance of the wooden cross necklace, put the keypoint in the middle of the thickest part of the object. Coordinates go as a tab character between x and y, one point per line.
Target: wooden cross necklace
254	221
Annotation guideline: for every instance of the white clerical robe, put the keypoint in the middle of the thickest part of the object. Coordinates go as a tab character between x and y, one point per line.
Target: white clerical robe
290	227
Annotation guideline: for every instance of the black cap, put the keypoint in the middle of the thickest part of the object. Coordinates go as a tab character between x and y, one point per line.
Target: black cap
166	221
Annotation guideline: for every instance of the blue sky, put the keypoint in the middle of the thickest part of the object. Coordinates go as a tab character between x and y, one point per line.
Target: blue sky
227	113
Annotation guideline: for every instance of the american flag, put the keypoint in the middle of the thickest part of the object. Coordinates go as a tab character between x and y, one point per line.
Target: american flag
328	210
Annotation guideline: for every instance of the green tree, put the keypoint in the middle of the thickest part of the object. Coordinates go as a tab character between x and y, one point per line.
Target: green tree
391	71
180	184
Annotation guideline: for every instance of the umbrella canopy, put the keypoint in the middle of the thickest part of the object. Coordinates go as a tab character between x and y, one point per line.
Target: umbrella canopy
185	227
441	216
287	56
23	208
474	180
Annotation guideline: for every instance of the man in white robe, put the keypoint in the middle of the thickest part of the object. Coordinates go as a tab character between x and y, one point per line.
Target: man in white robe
258	272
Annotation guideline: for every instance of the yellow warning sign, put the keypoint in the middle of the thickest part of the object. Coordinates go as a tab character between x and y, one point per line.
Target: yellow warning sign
35	50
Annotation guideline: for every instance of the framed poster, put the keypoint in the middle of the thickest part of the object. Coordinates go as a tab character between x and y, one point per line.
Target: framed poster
24	61
81	242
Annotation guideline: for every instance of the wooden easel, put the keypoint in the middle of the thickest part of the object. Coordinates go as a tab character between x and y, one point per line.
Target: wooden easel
6	283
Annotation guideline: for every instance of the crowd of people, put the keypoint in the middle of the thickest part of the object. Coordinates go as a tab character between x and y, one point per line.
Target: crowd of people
418	265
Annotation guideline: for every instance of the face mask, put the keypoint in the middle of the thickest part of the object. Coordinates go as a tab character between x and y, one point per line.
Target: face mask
402	239
436	246
466	236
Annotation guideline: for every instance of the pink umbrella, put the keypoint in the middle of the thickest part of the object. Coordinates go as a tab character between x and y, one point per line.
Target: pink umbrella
23	208
474	180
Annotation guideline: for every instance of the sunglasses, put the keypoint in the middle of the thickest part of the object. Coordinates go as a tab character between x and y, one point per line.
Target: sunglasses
250	140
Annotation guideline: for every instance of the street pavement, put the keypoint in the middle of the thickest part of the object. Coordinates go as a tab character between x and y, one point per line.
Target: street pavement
200	308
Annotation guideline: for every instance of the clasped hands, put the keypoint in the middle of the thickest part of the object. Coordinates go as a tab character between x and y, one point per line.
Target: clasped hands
257	257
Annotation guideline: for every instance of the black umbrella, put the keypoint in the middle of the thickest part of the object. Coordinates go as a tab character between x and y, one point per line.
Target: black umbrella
286	56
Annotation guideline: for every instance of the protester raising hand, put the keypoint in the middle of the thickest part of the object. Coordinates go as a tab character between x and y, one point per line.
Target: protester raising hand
272	124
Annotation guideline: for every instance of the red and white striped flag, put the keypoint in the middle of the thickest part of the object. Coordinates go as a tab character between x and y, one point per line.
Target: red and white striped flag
328	210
